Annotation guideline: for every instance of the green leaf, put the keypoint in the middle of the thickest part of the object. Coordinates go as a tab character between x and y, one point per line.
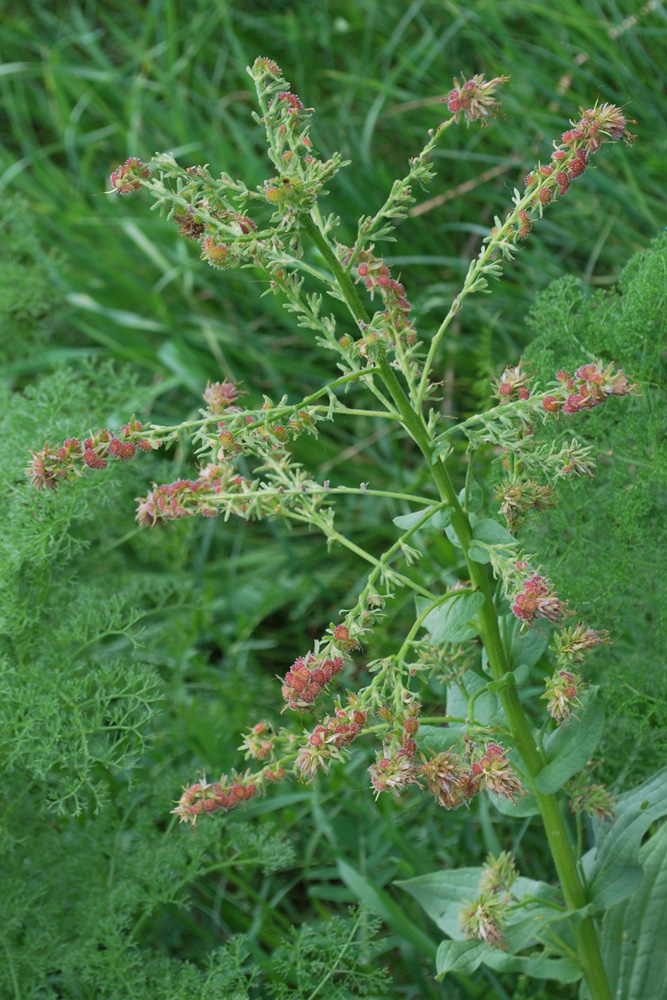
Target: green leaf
409	520
538	966
439	738
489	532
526	647
441	895
475	499
463	957
440	518
487	709
633	932
570	746
451	621
523	807
618	843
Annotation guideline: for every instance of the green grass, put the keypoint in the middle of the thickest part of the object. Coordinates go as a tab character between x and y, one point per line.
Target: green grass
83	86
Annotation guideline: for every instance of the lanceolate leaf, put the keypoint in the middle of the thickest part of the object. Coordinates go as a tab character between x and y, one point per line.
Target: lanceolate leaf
634	932
611	867
570	746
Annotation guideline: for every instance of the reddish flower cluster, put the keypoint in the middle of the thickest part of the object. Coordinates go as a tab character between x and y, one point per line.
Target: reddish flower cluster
188	497
128	176
327	739
268	66
394	322
394	770
343	639
449	775
495	773
572	154
204	797
220	396
448	779
294	105
306	678
257	743
473	99
536	600
590	385
513	384
50	465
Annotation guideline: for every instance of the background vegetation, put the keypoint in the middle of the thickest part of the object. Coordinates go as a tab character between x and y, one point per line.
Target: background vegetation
130	658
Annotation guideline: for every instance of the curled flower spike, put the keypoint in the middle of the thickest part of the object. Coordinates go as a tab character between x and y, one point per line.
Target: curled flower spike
473	99
204	797
52	465
591	385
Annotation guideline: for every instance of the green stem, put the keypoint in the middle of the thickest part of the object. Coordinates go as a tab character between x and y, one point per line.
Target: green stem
575	893
574	890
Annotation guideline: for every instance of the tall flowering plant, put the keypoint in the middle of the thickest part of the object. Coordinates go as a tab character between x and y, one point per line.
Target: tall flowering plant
484	635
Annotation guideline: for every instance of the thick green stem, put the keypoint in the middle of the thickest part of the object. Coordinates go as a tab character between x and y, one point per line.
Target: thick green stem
574	889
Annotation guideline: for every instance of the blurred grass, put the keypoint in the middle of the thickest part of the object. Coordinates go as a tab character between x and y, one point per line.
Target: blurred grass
83	86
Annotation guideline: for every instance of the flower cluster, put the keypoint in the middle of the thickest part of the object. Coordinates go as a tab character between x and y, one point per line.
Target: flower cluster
536	600
189	497
306	678
393	324
485	918
327	740
129	175
221	396
571	644
519	496
396	767
473	100
593	799
590	385
448	779
52	465
565	686
513	384
572	154
494	773
204	797
258	744
450	776
562	694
